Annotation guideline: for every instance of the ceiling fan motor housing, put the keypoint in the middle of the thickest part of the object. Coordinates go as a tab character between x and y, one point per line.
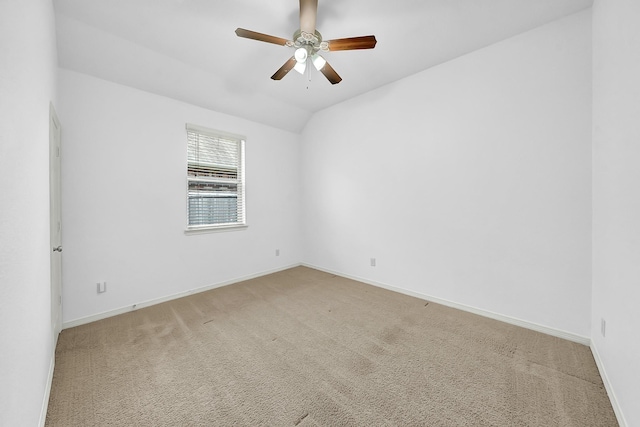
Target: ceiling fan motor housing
313	41
307	42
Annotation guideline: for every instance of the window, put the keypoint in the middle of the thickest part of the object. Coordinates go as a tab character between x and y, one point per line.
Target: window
215	179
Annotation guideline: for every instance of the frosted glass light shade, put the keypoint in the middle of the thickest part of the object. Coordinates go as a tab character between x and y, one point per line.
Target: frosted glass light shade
300	67
318	61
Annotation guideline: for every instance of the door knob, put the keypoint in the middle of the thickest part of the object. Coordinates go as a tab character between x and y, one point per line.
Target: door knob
58	249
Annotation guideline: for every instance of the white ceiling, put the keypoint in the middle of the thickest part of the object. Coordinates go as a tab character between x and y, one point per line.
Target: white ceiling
187	49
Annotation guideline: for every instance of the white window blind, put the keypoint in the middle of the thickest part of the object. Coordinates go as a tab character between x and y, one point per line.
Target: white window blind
215	178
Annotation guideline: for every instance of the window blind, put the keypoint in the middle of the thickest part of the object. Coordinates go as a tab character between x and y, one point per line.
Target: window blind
215	177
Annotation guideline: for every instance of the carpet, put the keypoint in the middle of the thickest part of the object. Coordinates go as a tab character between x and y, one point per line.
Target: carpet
306	348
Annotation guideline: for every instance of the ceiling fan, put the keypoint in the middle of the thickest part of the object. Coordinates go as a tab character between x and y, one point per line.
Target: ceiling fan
308	42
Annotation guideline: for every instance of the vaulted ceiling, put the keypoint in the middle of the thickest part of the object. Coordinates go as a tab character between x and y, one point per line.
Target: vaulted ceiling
187	49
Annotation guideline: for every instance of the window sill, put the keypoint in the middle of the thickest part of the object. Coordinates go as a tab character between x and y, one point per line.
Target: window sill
215	229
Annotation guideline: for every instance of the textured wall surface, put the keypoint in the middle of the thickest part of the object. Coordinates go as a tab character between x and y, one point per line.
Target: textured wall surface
124	199
470	181
616	197
27	86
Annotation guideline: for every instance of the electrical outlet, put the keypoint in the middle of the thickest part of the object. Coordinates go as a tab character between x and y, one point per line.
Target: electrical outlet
277	252
603	327
102	287
373	262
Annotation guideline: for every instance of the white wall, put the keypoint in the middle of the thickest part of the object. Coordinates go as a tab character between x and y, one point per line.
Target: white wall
616	201
469	181
124	199
475	188
27	85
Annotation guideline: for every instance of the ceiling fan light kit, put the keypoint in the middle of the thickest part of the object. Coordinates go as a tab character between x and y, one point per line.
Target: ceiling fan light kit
307	42
300	67
301	54
318	61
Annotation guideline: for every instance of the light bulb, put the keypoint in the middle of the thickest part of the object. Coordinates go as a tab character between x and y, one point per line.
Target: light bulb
301	54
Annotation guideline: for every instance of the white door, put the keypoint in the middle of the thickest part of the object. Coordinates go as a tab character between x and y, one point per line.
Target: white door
56	224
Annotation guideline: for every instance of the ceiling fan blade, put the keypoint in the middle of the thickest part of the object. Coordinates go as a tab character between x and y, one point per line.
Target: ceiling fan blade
308	13
288	66
352	43
330	74
248	34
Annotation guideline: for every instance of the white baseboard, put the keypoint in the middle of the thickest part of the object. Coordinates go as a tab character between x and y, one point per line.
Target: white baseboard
47	387
607	385
485	313
496	316
133	307
507	319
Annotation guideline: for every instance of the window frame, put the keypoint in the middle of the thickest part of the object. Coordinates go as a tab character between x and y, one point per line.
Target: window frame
240	181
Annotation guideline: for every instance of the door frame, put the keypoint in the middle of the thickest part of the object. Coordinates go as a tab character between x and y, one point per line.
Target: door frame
55	229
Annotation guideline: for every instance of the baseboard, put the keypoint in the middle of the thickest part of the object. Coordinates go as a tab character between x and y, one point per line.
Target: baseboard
148	303
496	316
607	385
507	319
47	387
485	313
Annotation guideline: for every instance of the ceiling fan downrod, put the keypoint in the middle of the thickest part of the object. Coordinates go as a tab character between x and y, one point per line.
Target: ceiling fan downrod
308	43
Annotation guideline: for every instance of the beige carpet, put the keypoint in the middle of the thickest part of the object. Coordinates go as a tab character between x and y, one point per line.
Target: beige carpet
306	348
